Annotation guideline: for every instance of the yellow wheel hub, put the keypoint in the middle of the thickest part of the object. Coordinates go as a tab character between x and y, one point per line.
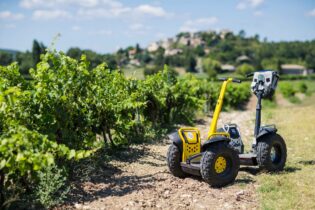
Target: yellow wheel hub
220	164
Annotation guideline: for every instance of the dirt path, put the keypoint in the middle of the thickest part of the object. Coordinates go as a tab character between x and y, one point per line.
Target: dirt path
145	183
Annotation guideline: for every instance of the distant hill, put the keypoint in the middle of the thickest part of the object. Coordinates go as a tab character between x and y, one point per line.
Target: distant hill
205	52
13	52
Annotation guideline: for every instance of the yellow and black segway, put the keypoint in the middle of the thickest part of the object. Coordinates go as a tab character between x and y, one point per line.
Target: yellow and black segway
218	158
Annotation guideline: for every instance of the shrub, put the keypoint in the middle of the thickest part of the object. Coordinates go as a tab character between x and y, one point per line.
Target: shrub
287	89
190	63
245	69
302	87
298	77
211	67
52	187
269	102
236	95
151	70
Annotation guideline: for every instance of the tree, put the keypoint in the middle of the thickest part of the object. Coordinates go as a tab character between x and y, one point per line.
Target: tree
25	61
5	58
121	56
182	34
199	51
37	50
110	60
75	53
245	69
94	58
242	34
159	58
191	63
138	49
211	67
144	57
271	64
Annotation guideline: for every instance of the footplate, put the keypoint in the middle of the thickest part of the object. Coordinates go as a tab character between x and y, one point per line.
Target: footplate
193	169
248	159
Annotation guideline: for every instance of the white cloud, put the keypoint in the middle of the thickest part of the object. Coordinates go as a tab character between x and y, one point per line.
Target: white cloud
311	13
9	26
40	4
76	28
185	28
50	14
258	13
256	3
31	4
87	3
118	11
203	21
11	16
103	13
161	35
93	9
112	3
146	9
102	32
198	24
244	4
241	6
139	28
136	26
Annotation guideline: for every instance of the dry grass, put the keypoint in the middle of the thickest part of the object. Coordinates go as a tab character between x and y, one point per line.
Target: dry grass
295	187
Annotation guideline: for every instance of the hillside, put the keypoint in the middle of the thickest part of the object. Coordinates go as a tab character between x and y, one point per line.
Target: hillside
13	52
205	52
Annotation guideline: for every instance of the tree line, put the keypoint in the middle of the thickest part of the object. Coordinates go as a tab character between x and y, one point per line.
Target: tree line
214	51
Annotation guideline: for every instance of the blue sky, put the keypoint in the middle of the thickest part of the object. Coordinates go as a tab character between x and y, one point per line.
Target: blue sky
106	25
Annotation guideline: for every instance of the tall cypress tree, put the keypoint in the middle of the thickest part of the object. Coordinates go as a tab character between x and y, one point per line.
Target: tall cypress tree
36	51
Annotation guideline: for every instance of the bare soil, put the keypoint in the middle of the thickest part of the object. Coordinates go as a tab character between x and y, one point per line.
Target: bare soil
140	179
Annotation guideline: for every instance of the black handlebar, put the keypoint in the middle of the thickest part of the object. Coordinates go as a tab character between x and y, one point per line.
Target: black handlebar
249	74
237	80
233	80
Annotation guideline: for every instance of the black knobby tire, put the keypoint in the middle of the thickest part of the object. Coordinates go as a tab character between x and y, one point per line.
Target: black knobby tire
174	160
208	160
265	159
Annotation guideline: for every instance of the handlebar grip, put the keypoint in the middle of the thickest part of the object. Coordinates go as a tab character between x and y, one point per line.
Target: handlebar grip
249	75
237	80
222	79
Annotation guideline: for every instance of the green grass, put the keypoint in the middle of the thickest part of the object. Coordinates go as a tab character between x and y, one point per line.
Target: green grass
310	84
134	72
294	188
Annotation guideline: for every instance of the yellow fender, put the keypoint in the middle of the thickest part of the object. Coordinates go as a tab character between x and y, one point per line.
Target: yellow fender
191	142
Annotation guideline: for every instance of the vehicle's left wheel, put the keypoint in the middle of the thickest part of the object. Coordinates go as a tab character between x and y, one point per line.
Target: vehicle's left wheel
219	165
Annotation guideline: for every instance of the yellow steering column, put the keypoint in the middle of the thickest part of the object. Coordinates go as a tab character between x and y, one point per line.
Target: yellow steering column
213	127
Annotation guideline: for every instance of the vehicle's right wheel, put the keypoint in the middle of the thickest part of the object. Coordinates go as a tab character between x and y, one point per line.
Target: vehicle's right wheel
271	153
174	158
219	165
